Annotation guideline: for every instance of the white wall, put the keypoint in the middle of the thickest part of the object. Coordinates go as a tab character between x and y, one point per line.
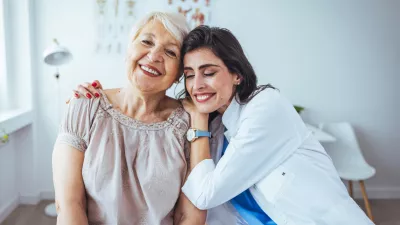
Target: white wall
8	178
16	171
338	59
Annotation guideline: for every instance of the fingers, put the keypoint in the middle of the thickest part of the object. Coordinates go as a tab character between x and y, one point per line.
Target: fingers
87	90
96	84
186	103
75	94
92	91
188	100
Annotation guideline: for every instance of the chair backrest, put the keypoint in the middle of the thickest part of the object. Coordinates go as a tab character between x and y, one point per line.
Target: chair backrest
345	151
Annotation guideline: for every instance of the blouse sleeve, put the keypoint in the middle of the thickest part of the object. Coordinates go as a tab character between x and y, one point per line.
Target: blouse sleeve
75	126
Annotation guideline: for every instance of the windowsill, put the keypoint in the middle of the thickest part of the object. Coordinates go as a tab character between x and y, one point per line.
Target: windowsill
13	120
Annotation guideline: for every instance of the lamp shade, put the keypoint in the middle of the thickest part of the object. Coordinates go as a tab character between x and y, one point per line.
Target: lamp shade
56	55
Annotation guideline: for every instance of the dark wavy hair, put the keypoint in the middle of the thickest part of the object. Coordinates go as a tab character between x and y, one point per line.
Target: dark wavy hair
226	47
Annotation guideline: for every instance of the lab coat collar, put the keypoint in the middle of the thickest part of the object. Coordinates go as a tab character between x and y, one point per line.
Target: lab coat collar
230	118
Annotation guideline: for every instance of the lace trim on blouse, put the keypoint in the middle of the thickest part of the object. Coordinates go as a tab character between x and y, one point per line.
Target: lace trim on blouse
175	119
72	140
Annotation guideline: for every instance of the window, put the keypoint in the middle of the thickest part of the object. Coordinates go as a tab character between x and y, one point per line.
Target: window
15	111
3	66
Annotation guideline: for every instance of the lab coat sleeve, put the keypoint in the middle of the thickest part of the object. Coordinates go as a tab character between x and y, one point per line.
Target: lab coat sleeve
269	131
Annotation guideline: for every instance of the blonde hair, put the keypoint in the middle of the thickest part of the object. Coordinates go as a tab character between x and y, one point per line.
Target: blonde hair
175	23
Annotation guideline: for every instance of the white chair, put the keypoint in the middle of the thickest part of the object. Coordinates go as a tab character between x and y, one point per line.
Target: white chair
347	158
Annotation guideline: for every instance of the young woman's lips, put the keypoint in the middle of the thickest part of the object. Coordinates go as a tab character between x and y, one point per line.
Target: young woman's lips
203	97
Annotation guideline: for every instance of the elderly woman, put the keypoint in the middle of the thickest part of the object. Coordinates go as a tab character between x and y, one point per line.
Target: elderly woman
120	158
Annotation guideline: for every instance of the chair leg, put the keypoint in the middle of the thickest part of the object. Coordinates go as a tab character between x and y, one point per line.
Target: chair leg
351	188
366	202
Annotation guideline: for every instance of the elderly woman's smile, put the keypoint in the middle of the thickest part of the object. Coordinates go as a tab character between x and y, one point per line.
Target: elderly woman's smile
150	70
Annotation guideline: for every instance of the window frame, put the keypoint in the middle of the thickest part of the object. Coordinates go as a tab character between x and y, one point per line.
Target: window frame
12	116
4	73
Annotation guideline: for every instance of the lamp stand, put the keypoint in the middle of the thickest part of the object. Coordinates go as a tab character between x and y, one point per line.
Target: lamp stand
50	209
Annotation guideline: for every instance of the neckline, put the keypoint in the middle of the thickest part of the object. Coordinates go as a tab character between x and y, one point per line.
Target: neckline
131	122
230	112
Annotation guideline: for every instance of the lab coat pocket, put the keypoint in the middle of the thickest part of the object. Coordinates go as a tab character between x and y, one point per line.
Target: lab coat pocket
271	186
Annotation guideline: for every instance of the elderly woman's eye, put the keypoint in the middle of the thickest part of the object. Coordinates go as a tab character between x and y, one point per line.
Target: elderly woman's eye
170	53
146	42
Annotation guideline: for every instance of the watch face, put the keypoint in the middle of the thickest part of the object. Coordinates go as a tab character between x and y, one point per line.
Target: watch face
190	134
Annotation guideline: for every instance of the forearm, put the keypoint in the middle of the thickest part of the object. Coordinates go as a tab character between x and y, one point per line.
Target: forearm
72	214
69	186
200	148
187	214
191	221
198	218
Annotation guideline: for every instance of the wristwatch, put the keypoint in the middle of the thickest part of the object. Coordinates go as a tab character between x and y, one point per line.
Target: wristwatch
192	134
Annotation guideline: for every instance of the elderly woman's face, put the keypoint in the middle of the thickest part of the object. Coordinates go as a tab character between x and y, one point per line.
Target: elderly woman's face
153	63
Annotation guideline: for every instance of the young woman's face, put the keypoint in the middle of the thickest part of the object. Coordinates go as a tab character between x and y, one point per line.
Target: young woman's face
208	81
153	60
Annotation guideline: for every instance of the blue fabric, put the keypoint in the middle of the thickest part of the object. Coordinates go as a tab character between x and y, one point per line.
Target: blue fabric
247	207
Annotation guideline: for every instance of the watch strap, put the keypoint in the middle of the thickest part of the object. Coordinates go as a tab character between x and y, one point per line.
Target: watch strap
201	133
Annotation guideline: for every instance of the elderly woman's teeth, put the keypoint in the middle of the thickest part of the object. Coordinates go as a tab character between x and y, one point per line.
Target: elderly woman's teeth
149	70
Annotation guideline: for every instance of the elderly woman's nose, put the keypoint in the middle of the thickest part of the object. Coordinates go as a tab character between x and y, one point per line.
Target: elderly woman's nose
156	55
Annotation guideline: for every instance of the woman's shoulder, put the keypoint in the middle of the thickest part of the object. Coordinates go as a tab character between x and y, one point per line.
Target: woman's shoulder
172	103
262	99
110	93
179	117
267	94
177	108
84	103
268	100
79	114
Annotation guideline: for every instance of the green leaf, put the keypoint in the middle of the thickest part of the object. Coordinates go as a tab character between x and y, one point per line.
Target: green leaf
299	109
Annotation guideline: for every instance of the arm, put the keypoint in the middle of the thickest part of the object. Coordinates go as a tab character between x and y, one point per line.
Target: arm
200	149
68	184
68	158
187	214
269	131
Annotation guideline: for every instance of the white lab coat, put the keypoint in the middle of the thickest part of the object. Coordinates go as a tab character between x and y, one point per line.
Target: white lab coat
271	152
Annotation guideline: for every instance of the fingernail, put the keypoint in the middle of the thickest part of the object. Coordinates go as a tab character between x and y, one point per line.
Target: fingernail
94	84
88	95
76	95
97	95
